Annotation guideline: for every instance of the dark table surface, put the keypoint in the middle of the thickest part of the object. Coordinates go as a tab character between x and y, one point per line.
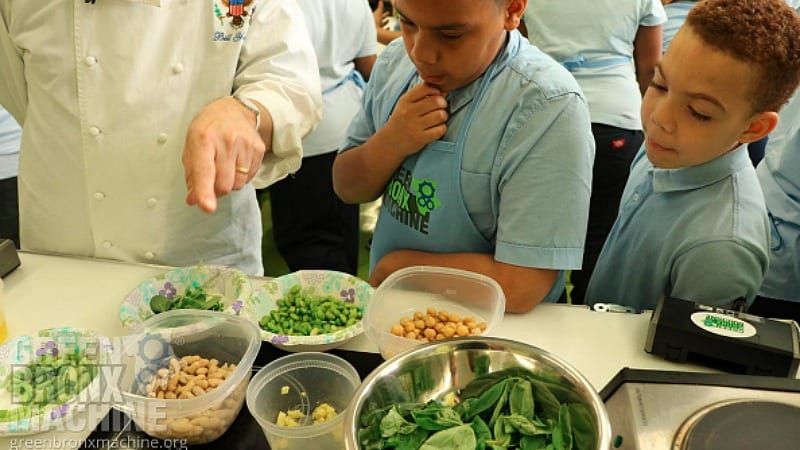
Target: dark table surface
117	431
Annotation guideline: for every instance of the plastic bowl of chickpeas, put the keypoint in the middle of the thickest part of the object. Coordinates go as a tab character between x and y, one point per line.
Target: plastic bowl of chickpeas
186	374
422	304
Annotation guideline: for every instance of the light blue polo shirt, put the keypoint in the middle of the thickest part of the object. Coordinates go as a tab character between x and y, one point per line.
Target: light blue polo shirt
779	174
697	233
676	16
10	137
527	165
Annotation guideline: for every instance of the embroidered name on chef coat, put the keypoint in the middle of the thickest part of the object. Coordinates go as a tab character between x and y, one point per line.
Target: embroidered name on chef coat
233	19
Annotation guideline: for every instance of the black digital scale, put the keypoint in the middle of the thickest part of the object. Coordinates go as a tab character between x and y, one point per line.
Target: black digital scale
732	341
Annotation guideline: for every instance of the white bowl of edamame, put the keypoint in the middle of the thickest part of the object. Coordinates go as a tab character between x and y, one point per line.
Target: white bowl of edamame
309	310
48	377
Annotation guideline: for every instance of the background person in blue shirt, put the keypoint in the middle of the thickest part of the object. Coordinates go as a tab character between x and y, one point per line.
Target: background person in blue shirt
612	59
481	147
10	137
692	222
313	228
779	175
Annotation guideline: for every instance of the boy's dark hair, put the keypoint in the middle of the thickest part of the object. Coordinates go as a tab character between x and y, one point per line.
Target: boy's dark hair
761	33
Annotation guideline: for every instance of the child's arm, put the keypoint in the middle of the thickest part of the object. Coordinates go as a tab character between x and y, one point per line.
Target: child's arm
698	274
524	287
646	53
360	174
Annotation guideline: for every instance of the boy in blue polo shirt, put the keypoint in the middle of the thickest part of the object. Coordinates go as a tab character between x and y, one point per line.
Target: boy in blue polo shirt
481	147
692	222
779	174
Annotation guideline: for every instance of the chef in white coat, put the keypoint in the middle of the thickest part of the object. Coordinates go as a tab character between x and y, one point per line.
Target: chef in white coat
134	111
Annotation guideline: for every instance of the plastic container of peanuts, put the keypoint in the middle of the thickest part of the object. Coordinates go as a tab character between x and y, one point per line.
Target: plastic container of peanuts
464	304
186	374
298	385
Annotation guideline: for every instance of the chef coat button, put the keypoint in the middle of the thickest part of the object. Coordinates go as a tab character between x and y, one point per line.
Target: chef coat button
99	195
177	68
107	244
151	202
90	61
94	131
149	255
162	138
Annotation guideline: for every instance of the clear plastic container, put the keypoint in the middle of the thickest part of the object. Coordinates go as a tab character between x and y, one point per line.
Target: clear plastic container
303	381
175	334
415	289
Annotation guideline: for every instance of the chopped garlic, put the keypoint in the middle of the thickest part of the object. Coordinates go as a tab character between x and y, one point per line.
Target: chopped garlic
323	413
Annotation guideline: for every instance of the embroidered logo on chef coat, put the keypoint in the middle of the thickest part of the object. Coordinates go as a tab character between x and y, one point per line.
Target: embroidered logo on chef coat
410	200
234	18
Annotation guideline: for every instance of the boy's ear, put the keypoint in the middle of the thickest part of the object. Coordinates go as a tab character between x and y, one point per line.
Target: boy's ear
514	10
761	125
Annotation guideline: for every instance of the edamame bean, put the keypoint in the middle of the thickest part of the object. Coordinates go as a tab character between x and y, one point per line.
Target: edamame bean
303	315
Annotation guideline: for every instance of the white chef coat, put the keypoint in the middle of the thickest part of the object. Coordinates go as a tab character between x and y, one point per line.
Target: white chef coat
105	93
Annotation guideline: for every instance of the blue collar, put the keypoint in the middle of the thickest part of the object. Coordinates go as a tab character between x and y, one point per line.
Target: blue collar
463	95
688	178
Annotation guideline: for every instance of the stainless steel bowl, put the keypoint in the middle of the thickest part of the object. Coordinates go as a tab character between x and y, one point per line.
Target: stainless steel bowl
431	371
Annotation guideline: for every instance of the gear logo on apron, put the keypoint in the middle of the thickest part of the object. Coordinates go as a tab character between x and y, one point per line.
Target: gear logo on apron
234	19
425	191
410	201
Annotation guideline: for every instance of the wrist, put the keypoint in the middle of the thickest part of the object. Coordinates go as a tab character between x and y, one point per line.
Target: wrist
250	105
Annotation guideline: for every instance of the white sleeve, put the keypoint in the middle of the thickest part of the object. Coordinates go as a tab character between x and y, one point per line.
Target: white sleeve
13	88
278	69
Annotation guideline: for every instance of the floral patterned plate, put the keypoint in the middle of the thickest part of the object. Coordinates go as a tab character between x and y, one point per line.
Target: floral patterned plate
313	283
232	285
77	352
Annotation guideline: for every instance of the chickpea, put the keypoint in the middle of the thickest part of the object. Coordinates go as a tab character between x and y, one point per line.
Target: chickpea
398	330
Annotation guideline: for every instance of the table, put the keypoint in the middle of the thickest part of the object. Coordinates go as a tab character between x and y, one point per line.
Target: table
50	291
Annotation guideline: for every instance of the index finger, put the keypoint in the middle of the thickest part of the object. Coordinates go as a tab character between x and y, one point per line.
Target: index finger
421	91
200	173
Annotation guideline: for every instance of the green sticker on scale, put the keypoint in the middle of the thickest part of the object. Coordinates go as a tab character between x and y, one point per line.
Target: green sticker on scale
723	325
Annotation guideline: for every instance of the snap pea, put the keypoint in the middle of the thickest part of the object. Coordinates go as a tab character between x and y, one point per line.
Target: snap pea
304	315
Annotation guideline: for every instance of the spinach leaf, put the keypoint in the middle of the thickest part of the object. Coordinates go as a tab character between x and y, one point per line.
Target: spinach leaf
411	441
482	432
547	405
523	425
435	417
565	424
502	400
520	399
159	304
538	442
194	297
393	423
583	428
457	438
501	438
473	406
